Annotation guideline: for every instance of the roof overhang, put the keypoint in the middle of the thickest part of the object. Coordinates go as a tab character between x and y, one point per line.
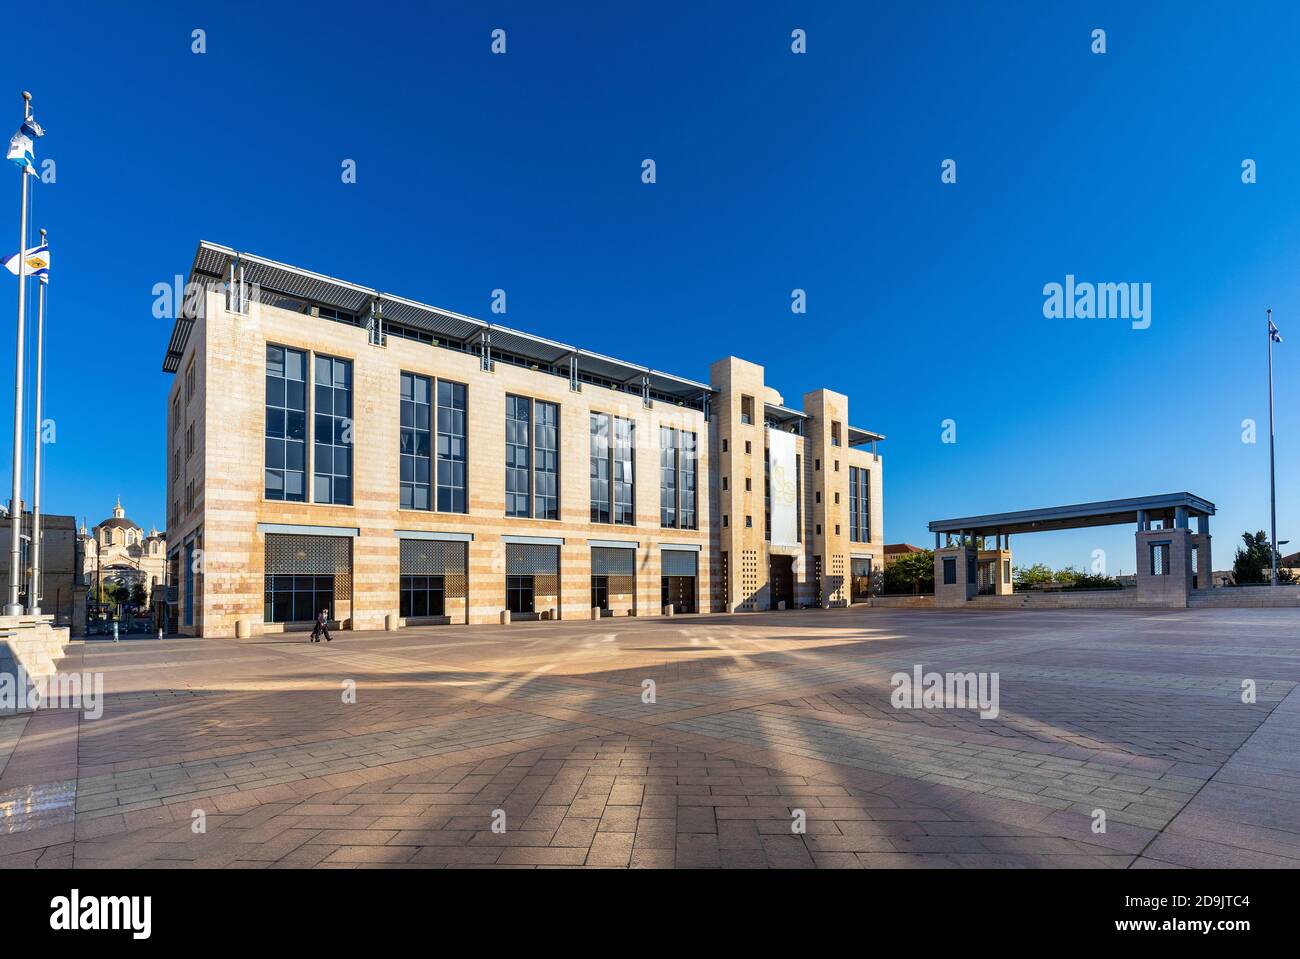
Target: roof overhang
213	263
1079	516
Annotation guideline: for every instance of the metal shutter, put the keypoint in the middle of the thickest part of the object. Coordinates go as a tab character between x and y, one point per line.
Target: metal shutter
679	562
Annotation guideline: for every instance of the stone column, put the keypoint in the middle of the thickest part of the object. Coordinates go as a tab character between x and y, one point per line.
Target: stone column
966	585
1170	588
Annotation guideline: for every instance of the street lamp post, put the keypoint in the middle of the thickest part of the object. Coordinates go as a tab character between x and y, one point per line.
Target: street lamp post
1273	337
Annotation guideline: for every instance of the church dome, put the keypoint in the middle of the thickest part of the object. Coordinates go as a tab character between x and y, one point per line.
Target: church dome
118	519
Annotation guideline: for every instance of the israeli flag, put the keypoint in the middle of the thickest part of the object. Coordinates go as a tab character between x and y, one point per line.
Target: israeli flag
37	262
20	145
1273	333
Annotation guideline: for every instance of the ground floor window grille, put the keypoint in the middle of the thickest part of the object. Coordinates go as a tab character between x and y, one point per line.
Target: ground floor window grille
532	570
616	570
305	574
432	571
678	586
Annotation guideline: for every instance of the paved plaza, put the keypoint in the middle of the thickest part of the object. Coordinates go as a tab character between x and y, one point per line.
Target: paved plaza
544	728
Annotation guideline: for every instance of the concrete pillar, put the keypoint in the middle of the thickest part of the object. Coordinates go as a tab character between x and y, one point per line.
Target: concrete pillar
1171	588
1001	579
1203	569
1142	520
961	562
505	617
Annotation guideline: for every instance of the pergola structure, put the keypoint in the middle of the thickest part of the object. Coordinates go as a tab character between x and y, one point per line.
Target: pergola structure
1171	559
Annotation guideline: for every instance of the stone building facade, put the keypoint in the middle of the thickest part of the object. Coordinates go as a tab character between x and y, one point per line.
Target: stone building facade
60	594
330	446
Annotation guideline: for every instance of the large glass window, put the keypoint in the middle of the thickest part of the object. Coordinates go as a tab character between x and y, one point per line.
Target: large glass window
286	424
686	511
677	479
667	476
297	599
532	458
519	415
332	446
599	468
624	472
417	442
859	505
189	584
546	460
423	596
451	447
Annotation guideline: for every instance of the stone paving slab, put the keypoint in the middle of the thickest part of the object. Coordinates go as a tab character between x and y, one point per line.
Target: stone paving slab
771	743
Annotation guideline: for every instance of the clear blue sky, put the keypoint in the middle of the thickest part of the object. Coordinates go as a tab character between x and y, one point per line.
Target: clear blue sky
775	171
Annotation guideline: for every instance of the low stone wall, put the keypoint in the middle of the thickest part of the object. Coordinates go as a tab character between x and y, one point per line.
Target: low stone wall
1065	599
1246	597
32	643
1240	597
903	602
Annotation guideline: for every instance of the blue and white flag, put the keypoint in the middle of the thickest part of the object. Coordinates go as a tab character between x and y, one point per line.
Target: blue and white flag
20	145
1273	333
37	262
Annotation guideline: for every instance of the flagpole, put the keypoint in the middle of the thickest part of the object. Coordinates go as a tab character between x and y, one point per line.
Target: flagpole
1272	485
14	607
34	590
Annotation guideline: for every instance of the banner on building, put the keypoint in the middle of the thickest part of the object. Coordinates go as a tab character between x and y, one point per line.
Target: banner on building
785	488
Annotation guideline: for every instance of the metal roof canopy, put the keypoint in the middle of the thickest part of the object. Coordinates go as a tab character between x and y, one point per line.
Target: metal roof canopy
860	437
212	264
1080	516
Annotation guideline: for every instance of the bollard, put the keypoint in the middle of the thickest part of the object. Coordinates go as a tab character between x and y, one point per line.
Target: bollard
781	605
668	610
505	617
115	638
595	612
390	622
243	628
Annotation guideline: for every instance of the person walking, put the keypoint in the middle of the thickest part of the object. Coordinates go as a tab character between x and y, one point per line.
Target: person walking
322	627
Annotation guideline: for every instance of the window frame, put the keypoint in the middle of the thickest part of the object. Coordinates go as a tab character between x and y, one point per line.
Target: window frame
540	415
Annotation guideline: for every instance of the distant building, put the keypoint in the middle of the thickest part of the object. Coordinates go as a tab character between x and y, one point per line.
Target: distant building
117	550
896	551
59	565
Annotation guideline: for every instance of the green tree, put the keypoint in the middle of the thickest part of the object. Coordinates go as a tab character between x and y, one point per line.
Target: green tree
1253	562
1094	581
912	573
1029	577
1069	576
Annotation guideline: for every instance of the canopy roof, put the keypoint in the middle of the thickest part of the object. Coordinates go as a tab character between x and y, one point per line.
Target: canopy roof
1079	516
